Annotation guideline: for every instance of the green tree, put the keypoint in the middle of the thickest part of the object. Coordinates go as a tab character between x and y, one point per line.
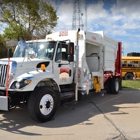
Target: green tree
3	49
26	19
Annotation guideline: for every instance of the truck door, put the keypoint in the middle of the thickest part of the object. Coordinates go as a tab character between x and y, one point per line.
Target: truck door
63	70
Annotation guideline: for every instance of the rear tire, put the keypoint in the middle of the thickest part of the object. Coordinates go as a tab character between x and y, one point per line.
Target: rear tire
42	104
129	76
114	86
107	85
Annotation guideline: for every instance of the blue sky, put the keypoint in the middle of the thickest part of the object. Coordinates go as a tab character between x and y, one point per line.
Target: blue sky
119	19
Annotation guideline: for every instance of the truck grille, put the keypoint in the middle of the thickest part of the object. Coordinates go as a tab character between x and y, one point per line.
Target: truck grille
3	71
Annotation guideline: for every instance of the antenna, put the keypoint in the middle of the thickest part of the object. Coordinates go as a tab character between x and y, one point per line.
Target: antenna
85	14
77	16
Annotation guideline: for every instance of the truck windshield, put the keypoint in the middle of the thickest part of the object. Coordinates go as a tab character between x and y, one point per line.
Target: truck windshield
40	50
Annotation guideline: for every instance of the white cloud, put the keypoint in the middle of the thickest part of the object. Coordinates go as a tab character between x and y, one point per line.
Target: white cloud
95	12
130	47
65	11
130	26
120	18
119	32
126	7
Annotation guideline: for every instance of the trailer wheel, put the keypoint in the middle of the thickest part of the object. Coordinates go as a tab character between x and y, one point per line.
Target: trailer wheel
129	76
42	104
114	86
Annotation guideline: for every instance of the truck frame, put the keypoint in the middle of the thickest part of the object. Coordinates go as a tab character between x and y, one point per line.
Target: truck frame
61	68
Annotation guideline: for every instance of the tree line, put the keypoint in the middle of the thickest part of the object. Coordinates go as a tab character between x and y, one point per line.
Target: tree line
25	19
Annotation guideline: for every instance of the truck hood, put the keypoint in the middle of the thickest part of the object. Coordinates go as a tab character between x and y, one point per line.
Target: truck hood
31	63
20	66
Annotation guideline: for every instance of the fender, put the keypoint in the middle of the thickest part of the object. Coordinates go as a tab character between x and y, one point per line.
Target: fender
35	77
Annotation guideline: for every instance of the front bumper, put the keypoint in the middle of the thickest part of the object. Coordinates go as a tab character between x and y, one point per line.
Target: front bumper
4	103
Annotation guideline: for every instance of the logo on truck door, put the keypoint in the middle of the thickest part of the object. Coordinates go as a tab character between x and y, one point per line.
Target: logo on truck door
64	73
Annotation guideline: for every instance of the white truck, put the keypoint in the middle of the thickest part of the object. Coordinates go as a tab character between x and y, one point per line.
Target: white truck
61	68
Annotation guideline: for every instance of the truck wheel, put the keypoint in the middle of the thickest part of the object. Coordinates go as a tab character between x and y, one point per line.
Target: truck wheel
129	76
42	104
107	85
114	86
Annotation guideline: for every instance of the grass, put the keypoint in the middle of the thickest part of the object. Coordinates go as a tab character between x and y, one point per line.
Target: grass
131	84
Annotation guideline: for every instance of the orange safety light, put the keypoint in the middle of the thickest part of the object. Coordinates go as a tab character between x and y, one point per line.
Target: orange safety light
79	36
43	67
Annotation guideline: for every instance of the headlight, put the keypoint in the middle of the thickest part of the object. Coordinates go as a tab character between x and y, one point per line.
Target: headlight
27	82
17	85
21	84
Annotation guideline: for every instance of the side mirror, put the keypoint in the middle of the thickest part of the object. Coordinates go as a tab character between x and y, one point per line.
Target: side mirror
9	53
70	58
31	54
70	52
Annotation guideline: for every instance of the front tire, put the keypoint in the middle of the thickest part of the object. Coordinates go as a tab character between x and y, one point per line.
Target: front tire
42	104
